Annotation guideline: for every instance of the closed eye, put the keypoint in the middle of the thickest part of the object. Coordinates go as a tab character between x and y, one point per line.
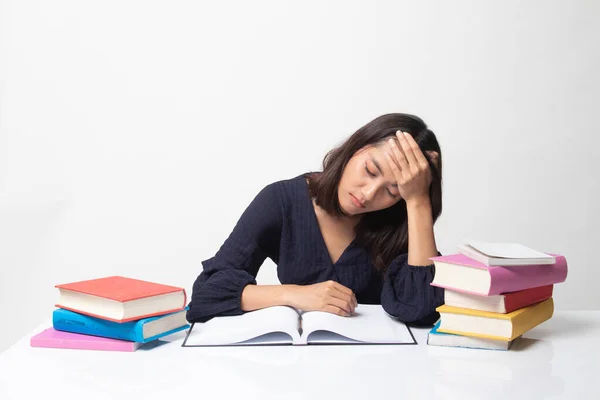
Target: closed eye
372	174
369	172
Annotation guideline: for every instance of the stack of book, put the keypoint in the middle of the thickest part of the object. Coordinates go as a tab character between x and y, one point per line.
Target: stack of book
113	313
494	293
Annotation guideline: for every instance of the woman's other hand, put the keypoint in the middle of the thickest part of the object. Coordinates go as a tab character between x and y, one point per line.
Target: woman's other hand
410	167
328	296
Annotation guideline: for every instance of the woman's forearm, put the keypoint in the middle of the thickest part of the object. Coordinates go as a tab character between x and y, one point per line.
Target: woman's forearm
255	297
421	240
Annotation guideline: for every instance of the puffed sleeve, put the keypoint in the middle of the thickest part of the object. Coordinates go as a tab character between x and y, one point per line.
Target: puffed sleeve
407	293
218	289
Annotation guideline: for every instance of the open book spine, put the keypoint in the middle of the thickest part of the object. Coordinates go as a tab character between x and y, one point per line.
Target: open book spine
301	338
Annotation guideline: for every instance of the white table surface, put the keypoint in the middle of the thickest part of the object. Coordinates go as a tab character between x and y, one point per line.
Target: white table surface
558	359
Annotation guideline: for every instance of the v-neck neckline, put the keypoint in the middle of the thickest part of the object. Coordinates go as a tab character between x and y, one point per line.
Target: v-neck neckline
318	227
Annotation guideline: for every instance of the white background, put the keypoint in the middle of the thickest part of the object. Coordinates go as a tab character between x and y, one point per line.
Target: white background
134	133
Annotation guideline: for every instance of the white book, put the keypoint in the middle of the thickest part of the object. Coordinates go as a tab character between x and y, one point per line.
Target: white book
282	325
504	254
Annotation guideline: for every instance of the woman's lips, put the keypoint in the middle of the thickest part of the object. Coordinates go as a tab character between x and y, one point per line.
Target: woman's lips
356	202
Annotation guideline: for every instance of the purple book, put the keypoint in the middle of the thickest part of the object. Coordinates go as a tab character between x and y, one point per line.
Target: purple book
51	338
461	273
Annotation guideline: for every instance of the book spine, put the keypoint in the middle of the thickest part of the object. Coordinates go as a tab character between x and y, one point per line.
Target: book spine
64	320
80	345
512	279
531	318
515	300
157	314
476	335
166	333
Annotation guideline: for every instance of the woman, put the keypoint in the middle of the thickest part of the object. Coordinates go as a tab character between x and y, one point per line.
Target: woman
360	231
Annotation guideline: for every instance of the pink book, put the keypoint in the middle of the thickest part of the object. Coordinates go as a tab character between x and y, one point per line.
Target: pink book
51	338
461	273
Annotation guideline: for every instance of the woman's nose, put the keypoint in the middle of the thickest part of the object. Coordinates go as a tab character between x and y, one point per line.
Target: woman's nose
370	192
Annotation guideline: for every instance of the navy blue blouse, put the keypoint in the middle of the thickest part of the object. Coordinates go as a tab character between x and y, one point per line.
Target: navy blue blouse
281	224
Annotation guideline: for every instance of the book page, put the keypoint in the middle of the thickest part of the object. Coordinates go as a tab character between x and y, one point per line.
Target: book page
507	250
369	324
268	338
328	337
254	327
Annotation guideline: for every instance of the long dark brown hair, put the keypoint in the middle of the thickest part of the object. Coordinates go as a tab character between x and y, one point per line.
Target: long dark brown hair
384	233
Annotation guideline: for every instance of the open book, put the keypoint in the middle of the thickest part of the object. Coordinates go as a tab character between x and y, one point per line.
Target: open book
281	325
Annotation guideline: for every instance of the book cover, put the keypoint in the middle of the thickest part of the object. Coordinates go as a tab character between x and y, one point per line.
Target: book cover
523	298
69	321
505	279
119	288
99	297
500	303
522	320
51	338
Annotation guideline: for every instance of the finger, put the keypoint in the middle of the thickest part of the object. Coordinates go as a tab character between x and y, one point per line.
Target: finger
399	157
344	305
394	166
417	152
435	157
335	310
397	150
347	299
353	301
341	292
407	146
341	287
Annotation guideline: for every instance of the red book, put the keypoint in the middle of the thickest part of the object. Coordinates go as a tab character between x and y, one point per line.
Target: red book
120	299
501	303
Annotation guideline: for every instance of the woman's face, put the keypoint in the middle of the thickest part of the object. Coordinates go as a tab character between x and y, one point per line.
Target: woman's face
368	183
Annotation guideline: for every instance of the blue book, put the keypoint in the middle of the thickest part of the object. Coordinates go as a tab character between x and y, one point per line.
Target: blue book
141	331
435	338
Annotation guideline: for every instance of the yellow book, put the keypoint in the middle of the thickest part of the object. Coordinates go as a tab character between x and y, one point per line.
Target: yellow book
489	325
